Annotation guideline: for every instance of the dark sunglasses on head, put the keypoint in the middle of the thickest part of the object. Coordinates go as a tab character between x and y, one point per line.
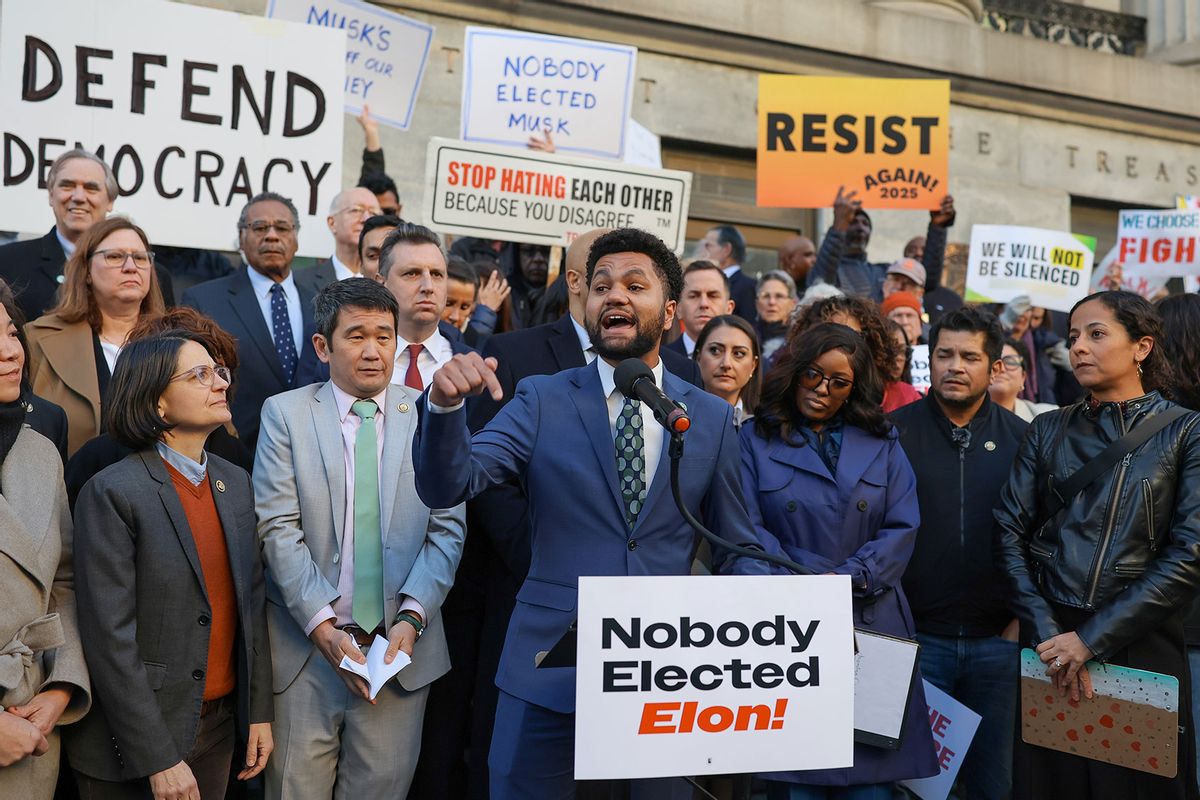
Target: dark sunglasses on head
811	378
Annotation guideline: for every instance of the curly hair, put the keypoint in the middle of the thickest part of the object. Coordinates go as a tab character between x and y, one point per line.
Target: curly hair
1181	345
1140	318
883	349
777	412
632	240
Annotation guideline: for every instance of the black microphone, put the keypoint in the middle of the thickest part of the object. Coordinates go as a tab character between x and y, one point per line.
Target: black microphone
636	381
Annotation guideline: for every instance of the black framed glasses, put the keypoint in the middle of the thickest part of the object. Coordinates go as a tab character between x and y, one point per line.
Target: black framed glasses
205	375
811	378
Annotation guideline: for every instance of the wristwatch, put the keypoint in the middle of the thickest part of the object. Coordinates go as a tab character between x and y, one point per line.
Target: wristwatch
411	619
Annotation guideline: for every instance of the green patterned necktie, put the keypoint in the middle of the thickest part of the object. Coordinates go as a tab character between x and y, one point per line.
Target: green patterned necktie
631	459
368	541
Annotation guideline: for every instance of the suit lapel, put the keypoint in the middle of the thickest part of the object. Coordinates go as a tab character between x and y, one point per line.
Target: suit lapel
245	305
803	457
588	397
308	323
228	516
21	476
53	257
678	391
328	427
174	508
69	352
859	451
564	344
397	432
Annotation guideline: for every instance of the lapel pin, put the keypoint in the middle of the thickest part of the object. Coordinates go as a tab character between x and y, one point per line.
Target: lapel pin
989	446
402	408
220	485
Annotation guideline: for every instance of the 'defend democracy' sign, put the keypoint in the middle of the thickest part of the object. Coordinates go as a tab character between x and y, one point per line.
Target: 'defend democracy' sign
543	198
196	110
710	675
517	84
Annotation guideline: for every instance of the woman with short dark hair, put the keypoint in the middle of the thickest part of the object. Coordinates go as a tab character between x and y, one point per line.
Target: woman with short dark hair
828	486
1106	574
171	589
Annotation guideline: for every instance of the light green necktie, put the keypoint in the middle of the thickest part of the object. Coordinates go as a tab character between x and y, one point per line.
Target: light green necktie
368	540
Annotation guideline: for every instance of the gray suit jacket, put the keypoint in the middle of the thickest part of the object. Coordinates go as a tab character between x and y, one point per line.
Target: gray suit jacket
300	496
144	616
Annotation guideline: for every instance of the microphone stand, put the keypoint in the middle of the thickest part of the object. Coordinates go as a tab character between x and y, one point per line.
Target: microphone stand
675	452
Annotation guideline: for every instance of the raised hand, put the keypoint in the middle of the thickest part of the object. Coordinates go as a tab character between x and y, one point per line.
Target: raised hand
844	209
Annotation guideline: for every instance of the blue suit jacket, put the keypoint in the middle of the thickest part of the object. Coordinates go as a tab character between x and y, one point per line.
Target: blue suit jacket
230	301
555	426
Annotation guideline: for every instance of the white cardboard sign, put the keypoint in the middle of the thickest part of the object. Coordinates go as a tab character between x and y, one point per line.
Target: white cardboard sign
1159	244
920	368
701	675
517	84
195	109
1053	268
385	53
544	198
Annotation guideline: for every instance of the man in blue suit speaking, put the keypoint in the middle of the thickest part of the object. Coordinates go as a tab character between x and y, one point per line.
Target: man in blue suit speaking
617	517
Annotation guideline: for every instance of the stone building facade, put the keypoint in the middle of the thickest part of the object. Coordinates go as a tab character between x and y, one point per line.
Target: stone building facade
1062	113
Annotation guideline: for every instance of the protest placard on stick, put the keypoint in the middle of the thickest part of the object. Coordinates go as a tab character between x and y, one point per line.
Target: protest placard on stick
1159	243
1052	267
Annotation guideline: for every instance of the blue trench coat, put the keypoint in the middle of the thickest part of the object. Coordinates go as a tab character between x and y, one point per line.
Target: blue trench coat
861	522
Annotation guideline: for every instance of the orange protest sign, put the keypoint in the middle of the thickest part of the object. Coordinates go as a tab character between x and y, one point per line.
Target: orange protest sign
886	139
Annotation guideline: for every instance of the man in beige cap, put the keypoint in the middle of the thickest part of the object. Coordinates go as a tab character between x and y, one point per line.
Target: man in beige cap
905	275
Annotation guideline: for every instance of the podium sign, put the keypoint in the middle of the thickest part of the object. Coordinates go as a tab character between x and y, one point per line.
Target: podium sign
702	675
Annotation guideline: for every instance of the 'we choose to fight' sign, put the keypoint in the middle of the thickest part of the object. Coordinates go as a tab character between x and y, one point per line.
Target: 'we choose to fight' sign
709	675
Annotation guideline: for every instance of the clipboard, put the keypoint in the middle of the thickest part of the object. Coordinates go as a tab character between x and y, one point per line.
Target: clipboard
884	670
1133	720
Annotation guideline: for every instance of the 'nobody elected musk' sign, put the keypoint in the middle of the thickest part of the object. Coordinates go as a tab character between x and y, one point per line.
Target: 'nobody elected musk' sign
516	84
543	198
211	109
709	675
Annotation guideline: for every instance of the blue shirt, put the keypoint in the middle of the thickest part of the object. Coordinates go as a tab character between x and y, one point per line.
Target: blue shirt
262	292
193	471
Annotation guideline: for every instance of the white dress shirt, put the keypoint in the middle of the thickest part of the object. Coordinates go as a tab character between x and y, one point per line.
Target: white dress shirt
435	351
730	271
341	611
585	342
67	245
689	344
652	432
111	351
341	271
261	285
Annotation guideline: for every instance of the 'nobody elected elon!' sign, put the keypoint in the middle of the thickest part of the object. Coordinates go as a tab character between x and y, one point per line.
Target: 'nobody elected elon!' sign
196	110
710	675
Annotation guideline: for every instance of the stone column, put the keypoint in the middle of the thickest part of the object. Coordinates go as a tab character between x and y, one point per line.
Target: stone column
1172	29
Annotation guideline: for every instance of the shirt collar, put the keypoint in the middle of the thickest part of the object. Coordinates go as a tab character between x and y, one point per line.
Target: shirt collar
340	270
689	344
437	345
608	381
345	400
262	284
194	471
729	271
585	341
67	245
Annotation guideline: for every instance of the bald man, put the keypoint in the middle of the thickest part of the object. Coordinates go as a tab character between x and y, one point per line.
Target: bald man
347	213
497	551
797	255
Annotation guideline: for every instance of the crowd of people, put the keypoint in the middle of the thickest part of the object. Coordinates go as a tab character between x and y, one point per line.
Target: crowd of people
211	502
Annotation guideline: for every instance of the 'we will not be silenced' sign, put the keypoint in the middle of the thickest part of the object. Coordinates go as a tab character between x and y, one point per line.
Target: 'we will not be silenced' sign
1053	268
516	84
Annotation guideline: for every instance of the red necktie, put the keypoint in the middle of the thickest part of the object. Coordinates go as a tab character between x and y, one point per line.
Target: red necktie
412	376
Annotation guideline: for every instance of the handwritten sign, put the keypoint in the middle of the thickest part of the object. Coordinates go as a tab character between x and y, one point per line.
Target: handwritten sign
516	84
954	727
541	198
1052	267
920	368
1155	243
195	109
886	139
385	53
715	674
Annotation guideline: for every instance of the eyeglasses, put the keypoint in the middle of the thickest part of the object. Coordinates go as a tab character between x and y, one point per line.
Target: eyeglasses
778	298
1013	362
356	211
205	374
811	378
116	259
260	227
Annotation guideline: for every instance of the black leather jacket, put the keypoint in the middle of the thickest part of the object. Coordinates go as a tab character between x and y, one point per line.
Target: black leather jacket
1126	549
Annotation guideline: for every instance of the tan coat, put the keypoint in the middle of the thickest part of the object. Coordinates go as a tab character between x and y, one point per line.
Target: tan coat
62	368
39	636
